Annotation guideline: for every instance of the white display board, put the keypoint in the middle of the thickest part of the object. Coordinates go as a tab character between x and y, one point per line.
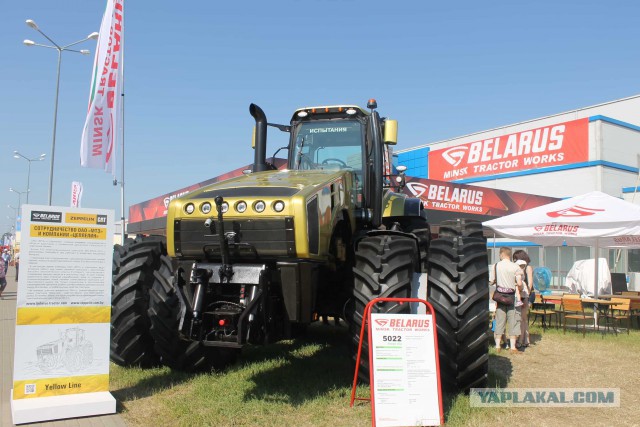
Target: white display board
63	314
404	372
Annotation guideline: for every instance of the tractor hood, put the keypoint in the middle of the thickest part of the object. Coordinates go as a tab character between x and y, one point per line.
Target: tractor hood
281	183
273	214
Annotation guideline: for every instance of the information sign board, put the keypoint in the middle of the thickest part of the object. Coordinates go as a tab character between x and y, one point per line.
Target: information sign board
63	314
404	374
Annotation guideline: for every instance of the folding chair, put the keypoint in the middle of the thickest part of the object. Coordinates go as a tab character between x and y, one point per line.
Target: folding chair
542	310
624	311
572	308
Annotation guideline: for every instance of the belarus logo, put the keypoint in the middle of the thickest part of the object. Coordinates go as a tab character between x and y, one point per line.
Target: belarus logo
574	211
418	189
454	155
538	227
42	216
382	322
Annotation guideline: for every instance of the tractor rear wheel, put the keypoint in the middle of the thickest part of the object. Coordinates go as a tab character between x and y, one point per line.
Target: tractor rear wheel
459	293
174	350
134	266
384	268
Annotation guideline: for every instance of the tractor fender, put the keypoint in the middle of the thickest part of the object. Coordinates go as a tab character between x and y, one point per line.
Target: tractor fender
400	205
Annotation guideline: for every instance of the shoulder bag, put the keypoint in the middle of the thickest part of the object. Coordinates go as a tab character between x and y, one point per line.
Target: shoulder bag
503	296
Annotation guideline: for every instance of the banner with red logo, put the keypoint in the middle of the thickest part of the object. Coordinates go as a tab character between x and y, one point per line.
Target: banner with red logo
104	116
470	199
559	144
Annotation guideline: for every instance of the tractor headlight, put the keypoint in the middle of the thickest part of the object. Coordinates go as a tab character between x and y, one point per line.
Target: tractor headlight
205	207
224	207
189	208
278	206
241	206
259	206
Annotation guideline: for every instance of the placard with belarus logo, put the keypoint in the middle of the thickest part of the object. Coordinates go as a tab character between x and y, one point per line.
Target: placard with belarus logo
404	374
63	310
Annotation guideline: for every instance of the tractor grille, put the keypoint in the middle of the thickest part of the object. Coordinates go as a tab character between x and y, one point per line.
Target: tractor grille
248	239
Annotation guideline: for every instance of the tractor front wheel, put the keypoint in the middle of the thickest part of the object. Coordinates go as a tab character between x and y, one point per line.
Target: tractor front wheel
134	266
384	268
459	293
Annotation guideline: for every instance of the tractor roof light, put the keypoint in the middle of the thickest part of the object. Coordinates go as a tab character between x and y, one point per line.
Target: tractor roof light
302	114
189	208
205	207
224	207
351	111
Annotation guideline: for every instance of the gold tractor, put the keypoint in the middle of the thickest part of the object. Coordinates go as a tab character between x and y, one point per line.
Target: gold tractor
257	258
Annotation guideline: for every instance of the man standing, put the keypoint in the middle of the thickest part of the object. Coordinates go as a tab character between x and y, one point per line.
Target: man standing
6	257
508	276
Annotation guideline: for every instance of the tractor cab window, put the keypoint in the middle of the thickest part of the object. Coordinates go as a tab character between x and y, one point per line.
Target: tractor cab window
331	145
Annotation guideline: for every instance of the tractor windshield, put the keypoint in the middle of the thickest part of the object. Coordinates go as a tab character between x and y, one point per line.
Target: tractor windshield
334	144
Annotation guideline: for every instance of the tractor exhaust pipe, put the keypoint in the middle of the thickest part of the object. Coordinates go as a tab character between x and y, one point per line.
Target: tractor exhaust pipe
260	159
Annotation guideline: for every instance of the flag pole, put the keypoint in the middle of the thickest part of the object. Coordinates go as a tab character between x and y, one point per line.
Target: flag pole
122	213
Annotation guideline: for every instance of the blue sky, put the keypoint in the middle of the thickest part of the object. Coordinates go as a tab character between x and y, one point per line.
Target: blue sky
442	69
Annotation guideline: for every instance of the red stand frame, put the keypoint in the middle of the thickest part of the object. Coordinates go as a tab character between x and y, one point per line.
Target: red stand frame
366	320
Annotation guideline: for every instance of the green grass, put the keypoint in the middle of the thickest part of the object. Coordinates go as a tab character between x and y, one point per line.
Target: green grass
307	382
301	382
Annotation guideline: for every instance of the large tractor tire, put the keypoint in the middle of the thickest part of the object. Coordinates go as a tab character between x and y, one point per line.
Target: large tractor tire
459	293
384	268
176	351
419	227
134	266
461	227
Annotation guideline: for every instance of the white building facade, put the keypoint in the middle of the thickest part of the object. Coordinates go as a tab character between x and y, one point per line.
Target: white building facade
562	155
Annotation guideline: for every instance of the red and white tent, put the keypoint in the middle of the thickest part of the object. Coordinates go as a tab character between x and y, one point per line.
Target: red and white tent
593	219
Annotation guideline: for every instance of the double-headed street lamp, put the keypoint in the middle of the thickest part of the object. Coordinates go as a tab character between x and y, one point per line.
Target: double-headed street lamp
60	49
17	155
19	193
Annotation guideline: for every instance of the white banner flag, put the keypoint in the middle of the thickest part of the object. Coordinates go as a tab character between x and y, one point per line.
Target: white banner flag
100	134
76	194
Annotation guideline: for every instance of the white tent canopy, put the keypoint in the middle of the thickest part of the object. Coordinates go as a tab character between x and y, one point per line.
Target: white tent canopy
593	219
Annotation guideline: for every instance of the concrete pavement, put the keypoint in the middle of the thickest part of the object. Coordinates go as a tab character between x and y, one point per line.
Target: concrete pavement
7	334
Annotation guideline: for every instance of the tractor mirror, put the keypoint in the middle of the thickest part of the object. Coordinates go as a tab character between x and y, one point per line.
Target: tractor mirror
253	138
391	132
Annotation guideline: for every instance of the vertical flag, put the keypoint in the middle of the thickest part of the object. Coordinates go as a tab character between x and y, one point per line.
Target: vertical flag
76	194
100	134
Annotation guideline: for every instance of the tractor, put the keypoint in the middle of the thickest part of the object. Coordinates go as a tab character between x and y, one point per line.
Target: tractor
257	258
72	350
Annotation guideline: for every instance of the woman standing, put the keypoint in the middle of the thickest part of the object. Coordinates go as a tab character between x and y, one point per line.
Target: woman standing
521	258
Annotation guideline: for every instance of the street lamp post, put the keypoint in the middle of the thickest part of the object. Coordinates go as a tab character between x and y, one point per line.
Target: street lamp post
60	49
17	155
19	193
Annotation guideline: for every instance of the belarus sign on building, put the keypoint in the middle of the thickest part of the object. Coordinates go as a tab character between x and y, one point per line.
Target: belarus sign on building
559	144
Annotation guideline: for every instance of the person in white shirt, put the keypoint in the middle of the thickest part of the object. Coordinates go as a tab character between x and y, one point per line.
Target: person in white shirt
508	277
